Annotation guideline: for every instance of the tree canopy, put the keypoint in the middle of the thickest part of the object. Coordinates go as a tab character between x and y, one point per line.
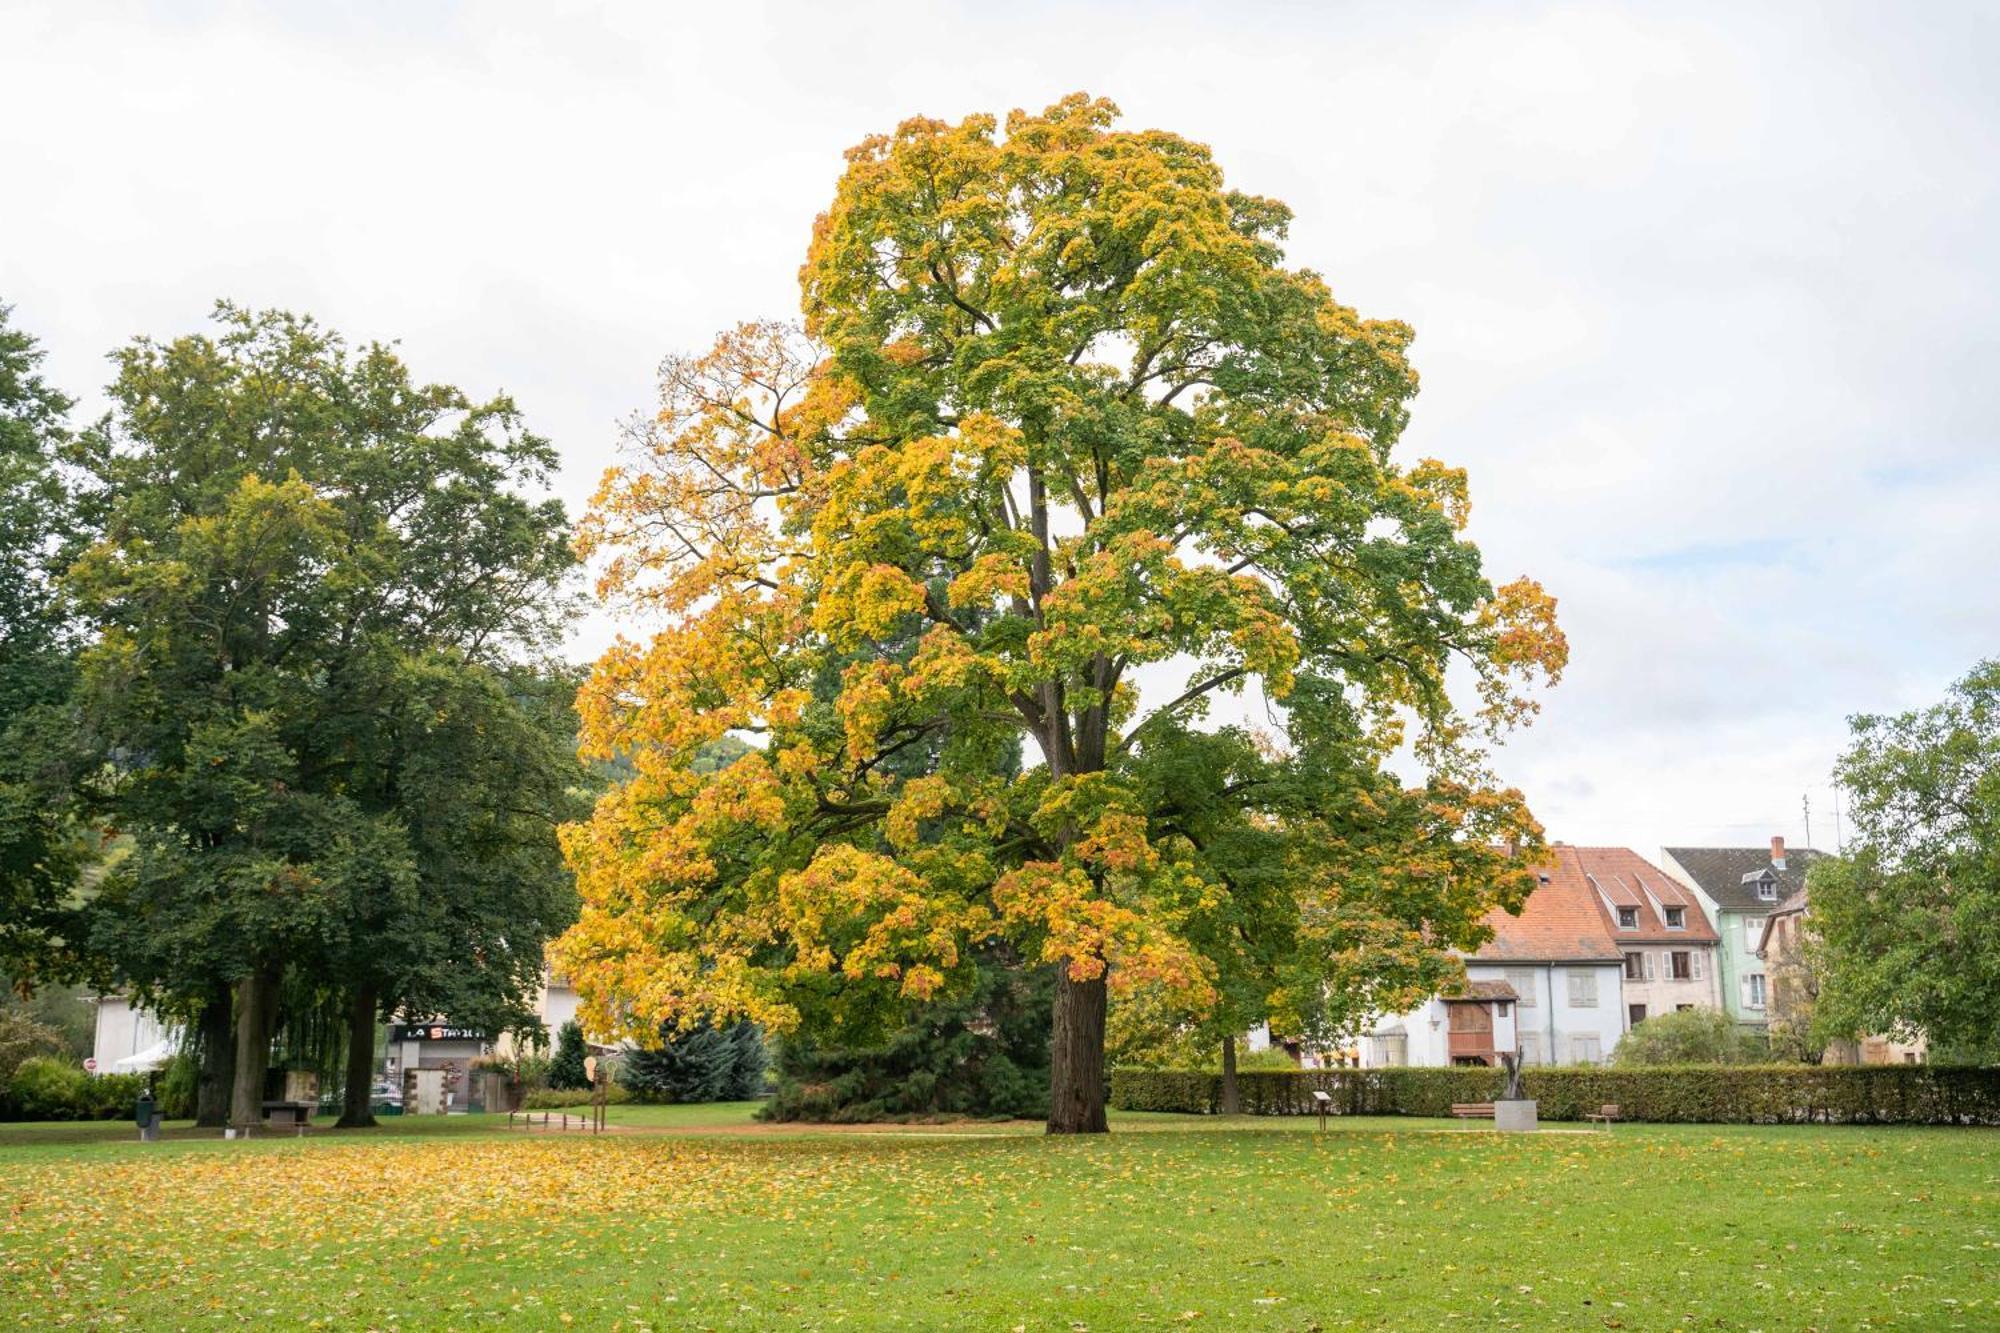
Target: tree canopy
1063	453
318	598
1904	929
43	521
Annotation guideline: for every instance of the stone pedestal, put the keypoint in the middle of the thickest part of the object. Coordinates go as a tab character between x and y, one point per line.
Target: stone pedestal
1514	1117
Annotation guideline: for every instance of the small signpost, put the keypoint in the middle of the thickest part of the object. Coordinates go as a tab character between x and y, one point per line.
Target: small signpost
90	1065
1324	1105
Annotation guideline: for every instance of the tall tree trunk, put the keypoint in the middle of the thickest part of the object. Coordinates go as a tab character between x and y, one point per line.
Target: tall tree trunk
217	1036
1232	1101
354	1111
1076	1058
256	1007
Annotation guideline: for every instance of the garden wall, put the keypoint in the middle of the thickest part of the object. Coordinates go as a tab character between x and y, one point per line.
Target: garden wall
1690	1094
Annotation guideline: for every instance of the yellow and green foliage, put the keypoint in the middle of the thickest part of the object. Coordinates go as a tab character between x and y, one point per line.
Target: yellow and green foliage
1062	453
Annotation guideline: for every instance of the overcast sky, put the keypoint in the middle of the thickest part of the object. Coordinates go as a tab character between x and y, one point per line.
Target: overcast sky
1704	298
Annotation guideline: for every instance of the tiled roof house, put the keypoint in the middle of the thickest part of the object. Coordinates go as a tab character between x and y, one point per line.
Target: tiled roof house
1741	887
1566	958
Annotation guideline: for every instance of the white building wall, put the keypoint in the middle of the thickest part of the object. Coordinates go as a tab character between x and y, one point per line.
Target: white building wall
1551	1027
1548	1026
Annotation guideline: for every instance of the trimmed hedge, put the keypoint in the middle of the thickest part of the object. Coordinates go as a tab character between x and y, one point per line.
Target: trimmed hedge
47	1088
1684	1094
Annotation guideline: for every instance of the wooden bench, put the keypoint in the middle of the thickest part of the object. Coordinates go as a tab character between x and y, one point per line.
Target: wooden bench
1472	1110
1606	1114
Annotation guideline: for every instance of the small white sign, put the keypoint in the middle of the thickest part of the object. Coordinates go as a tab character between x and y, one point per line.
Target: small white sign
90	1065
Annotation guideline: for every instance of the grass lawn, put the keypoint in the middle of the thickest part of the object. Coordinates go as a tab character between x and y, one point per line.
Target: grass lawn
678	1222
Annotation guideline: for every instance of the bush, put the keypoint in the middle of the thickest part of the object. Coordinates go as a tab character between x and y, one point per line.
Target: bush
23	1037
553	1100
48	1088
176	1086
1683	1094
1692	1037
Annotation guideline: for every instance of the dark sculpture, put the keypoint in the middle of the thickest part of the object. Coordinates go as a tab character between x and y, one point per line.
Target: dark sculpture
1512	1063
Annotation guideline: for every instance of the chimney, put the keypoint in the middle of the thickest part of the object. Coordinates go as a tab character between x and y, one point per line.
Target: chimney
1778	852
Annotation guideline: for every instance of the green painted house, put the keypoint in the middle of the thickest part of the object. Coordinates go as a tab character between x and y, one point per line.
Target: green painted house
1739	887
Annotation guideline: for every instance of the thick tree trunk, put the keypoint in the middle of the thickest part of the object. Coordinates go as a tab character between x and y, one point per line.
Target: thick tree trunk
1076	1058
256	1006
218	1061
354	1111
1232	1101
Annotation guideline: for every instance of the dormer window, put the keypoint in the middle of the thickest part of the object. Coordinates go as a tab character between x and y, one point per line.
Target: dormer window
1767	890
1628	918
1677	918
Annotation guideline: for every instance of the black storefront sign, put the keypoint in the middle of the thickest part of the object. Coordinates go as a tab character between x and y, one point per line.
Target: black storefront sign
433	1032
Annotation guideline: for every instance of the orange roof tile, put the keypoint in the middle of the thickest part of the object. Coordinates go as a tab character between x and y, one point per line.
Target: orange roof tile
1639	881
1561	922
1567	918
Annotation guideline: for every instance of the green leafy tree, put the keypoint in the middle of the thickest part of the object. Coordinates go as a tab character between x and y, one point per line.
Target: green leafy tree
566	1068
318	589
1903	931
44	518
1690	1037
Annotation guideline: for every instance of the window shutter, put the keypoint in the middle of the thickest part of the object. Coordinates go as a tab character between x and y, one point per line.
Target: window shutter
1649	964
1694	956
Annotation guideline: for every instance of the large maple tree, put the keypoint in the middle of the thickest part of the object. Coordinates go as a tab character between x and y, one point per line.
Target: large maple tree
1062	453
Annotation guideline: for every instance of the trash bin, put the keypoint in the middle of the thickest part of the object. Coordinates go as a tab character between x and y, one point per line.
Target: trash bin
147	1115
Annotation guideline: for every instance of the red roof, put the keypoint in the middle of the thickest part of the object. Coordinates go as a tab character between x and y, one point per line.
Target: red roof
1567	919
1562	922
1623	878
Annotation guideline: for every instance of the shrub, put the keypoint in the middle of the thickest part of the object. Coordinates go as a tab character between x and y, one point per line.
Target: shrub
1686	1094
23	1037
1691	1037
47	1088
176	1086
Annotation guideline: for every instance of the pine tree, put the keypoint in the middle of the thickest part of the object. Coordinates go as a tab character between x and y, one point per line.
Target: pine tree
704	1064
566	1071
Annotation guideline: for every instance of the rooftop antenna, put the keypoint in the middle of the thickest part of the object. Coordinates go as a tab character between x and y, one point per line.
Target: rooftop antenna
1839	843
1806	801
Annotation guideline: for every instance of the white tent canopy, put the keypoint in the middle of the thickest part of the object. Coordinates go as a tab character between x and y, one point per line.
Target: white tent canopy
142	1062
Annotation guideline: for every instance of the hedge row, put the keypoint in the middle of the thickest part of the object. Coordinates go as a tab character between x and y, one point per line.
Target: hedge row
48	1088
1688	1094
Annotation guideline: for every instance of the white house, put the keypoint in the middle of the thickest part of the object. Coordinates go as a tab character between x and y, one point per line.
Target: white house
133	1039
1559	963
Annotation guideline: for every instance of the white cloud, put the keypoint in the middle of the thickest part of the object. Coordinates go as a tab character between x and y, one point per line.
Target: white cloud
1703	293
